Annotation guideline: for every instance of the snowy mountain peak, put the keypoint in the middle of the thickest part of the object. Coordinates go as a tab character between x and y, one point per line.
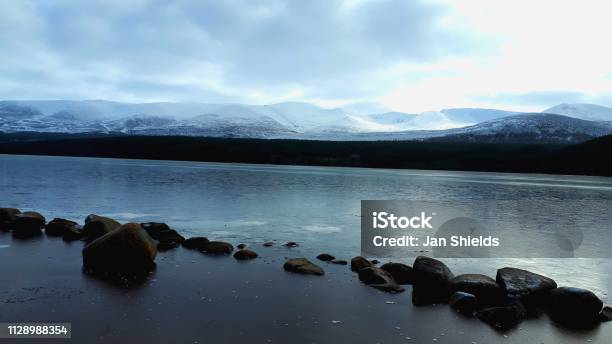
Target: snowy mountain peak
591	112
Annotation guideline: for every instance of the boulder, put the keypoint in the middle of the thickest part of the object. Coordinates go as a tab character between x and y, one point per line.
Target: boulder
503	317
359	263
380	279
167	238
484	288
245	254
464	303
127	249
606	314
574	306
303	266
432	281
339	262
195	243
97	226
57	227
291	244
401	273
217	247
268	244
240	246
73	233
28	223
7	217
325	257
524	285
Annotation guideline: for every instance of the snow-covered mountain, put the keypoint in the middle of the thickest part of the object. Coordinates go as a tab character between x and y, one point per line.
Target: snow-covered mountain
301	121
590	112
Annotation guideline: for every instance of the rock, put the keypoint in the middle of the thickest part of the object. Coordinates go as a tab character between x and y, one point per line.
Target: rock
358	263
97	226
268	244
127	249
245	254
291	244
464	303
167	238
401	273
28	223
432	281
303	266
217	247
524	285
195	243
57	227
7	217
380	279
606	314
484	288
374	261
325	257
339	262
503	317
240	246
73	233
574	306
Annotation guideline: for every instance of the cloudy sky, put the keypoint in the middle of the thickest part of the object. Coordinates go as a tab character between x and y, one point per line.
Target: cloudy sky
406	55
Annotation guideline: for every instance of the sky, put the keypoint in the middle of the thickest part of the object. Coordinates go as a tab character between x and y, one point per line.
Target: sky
400	55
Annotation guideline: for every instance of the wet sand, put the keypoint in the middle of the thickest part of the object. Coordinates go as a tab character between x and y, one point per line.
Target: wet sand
194	298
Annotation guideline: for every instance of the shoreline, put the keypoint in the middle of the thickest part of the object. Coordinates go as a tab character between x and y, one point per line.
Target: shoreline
258	294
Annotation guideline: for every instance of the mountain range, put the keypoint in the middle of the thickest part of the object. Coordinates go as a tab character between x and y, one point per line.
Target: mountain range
564	123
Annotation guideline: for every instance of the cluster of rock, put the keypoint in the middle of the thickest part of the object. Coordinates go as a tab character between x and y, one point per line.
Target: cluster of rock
129	250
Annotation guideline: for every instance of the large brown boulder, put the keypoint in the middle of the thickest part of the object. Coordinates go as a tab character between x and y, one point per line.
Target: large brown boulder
28	223
380	279
58	227
97	226
432	281
359	262
127	249
7	217
574	306
401	273
303	266
524	285
484	288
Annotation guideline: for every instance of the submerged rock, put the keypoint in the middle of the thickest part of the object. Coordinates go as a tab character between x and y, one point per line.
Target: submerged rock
401	273
432	281
217	247
484	288
380	279
73	233
128	249
268	244
167	238
240	246
97	226
359	262
58	227
326	257
195	243
245	254
523	284
29	223
339	262
303	266
374	261
503	317
574	306
464	303
291	244
7	217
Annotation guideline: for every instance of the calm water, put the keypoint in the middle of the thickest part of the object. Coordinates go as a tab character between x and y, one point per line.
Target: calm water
319	207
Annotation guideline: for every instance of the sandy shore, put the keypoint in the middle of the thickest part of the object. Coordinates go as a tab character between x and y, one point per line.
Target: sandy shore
194	298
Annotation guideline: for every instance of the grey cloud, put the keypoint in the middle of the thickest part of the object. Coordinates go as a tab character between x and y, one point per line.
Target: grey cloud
213	50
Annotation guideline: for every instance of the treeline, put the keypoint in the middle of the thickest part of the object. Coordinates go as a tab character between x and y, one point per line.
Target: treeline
589	158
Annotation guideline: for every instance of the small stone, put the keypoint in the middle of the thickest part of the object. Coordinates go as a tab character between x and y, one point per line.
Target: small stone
339	262
359	262
326	257
291	244
245	254
303	266
268	244
240	246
